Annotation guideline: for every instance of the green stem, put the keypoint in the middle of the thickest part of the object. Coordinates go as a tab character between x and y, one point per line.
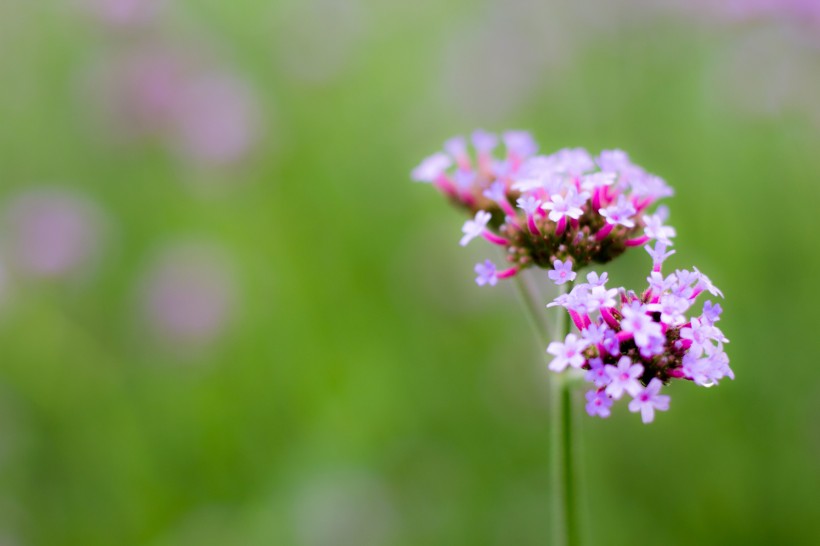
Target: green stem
535	311
566	530
564	448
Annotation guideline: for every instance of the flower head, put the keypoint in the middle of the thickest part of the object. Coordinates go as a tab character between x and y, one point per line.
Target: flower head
638	343
573	211
570	207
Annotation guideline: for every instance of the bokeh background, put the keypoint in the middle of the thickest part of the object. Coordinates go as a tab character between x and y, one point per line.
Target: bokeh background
228	317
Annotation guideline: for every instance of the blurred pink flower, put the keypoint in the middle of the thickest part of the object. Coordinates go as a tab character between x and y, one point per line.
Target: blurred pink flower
119	13
188	295
215	121
52	233
139	91
204	113
803	10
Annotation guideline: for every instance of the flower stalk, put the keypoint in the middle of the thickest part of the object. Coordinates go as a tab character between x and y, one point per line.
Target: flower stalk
563	461
565	518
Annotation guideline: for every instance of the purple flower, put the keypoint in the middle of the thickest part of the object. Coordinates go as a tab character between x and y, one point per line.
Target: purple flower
597	373
704	283
464	180
620	213
474	228
624	377
594	333
487	273
639	324
611	344
566	205
124	12
497	192
648	400
711	313
598	403
599	297
431	168
671	308
568	353
53	233
595	280
578	299
520	143
188	295
658	254
613	160
660	284
456	147
215	123
562	273
649	186
593	181
484	142
573	161
528	204
655	229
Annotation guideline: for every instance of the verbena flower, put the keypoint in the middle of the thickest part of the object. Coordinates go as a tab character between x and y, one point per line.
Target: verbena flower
564	211
548	210
635	344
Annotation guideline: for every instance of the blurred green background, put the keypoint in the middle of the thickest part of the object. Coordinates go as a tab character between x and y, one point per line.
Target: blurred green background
256	330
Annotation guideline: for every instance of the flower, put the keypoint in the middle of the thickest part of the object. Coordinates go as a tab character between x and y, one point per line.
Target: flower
528	204
597	373
637	343
658	254
486	273
620	213
431	168
188	295
656	230
474	228
520	144
53	233
595	280
598	403
484	142
623	377
566	205
573	211
562	273
648	400
639	324
570	207
568	353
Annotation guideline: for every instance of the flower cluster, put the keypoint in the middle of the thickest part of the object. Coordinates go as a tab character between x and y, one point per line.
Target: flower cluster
567	209
634	344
